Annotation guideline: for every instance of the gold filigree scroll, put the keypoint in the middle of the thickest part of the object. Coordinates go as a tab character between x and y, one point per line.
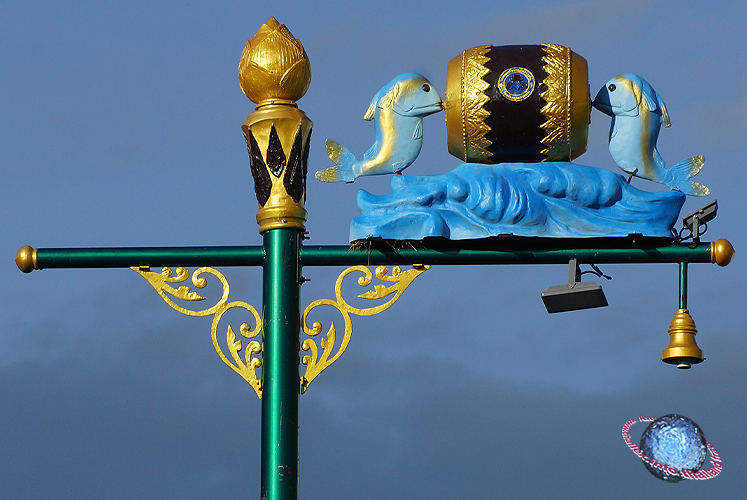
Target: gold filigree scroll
245	367
315	364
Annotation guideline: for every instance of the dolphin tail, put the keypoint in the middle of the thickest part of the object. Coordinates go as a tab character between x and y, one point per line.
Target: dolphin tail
680	174
344	162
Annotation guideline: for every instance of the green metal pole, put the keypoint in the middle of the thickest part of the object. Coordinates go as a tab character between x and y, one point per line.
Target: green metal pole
280	365
683	285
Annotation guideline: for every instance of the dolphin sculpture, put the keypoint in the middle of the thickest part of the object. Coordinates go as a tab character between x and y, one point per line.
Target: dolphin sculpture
637	114
397	111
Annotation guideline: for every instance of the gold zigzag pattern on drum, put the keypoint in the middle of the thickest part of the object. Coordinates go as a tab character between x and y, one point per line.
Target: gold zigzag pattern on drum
557	110
473	98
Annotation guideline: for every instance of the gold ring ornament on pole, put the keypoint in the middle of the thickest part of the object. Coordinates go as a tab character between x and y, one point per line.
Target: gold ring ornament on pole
274	72
245	367
316	362
517	103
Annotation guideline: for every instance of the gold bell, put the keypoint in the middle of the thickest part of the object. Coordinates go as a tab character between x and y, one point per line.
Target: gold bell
682	349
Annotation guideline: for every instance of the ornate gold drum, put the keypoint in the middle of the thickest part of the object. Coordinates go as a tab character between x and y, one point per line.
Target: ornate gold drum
517	103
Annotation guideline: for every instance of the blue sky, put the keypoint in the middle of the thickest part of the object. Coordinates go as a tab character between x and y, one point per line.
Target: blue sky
120	126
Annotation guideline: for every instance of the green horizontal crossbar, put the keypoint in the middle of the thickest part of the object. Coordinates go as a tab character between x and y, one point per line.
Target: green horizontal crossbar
68	258
534	251
345	256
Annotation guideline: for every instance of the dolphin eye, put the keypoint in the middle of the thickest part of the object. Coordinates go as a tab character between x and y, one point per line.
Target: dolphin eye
611	87
426	87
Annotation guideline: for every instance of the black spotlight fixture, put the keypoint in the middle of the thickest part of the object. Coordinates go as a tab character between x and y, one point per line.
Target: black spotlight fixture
576	294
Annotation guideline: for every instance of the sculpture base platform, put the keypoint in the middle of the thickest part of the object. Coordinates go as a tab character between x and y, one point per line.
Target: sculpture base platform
555	200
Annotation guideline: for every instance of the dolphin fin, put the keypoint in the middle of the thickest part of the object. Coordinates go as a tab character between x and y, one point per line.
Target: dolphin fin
418	132
344	159
399	166
371	111
372	151
647	100
387	100
339	153
335	174
613	128
681	173
664	113
381	101
659	161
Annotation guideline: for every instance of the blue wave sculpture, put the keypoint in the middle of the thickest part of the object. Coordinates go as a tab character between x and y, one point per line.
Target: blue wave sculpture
560	200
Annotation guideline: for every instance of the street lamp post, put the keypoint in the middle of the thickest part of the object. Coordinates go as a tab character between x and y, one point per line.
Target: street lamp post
274	73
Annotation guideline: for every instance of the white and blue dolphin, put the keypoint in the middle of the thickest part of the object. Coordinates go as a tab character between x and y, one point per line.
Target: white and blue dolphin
637	114
397	111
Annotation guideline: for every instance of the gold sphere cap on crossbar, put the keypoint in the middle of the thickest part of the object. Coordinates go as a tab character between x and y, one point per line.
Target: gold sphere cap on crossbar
721	252
26	259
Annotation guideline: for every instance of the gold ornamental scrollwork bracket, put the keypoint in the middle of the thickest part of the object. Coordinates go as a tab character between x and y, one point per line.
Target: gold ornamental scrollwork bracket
246	367
317	362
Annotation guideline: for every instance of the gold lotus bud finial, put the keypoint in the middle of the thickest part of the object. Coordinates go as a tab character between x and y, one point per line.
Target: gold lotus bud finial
274	67
274	72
